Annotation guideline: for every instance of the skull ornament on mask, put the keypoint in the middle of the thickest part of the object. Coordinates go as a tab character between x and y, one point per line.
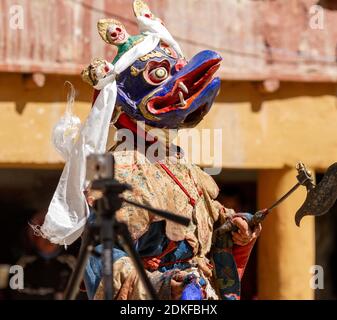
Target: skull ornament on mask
142	9
117	35
96	71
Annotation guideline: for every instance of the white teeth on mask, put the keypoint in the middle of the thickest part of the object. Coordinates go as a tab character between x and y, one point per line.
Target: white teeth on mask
182	100
183	87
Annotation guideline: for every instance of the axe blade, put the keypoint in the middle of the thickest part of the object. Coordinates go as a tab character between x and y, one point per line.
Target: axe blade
320	199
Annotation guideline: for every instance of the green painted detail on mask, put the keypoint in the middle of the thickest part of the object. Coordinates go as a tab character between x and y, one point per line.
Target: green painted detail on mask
131	42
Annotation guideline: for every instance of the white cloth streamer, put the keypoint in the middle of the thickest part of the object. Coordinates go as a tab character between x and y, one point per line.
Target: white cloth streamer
149	26
67	128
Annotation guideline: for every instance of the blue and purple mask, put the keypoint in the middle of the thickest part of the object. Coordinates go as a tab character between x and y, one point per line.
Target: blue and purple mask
166	91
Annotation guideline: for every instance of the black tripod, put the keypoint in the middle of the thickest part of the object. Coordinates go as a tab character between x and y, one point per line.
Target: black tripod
106	228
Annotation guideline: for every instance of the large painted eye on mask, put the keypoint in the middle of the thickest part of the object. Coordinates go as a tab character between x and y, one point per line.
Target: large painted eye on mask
157	72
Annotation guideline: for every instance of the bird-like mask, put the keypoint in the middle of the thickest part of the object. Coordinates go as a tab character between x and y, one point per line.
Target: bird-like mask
161	87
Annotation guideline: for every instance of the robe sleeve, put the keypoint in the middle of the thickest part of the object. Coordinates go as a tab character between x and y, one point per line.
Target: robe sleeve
222	214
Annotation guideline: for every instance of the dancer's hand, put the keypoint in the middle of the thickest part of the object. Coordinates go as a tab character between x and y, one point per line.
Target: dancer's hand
245	234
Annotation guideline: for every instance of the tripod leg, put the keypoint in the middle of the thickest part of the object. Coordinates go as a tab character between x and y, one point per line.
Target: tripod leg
123	231
87	247
107	241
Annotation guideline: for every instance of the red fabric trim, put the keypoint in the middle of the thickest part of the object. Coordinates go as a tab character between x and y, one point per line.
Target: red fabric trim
170	263
170	247
124	121
153	263
175	179
241	256
82	287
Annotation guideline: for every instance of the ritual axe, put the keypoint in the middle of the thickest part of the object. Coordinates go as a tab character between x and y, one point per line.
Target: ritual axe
319	199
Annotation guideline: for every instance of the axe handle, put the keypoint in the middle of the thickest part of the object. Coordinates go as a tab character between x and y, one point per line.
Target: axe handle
259	215
294	188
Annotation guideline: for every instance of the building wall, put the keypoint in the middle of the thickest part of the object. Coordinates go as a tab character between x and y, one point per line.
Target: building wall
283	39
28	116
276	130
259	131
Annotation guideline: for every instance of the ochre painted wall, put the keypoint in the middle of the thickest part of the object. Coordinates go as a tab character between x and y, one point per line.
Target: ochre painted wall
258	131
285	252
296	123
